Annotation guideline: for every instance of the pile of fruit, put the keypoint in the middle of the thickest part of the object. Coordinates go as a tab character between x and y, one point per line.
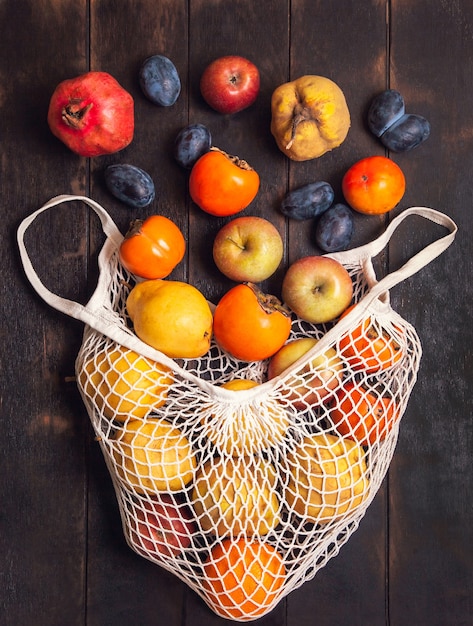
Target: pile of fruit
234	492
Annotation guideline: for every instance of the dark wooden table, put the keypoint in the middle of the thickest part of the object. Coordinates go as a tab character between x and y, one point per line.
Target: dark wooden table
64	560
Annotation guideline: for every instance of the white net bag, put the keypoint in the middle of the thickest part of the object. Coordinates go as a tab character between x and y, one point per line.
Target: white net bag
240	482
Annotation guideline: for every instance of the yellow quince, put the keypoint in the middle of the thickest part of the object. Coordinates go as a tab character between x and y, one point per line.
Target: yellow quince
310	116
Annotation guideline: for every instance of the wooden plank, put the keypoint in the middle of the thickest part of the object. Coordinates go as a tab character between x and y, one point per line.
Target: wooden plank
350	589
65	560
122	586
246	134
431	543
243	31
43	539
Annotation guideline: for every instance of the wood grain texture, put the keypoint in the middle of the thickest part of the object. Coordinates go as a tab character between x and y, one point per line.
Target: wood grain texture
64	556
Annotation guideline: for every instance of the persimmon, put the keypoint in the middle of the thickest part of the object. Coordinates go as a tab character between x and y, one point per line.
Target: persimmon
362	415
222	184
152	247
249	324
374	185
243	578
369	347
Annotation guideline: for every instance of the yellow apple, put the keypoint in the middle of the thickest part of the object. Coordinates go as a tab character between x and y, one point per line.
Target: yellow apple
248	248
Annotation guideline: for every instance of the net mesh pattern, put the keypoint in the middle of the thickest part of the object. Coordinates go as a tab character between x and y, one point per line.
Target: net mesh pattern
246	494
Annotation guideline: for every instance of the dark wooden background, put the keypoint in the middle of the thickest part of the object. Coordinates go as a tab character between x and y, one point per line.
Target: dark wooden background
64	561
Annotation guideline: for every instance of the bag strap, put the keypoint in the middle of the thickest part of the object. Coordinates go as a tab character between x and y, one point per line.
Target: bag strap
378	289
413	265
114	238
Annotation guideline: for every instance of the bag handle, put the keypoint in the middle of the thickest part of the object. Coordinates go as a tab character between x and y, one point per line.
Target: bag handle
114	238
378	289
413	265
365	253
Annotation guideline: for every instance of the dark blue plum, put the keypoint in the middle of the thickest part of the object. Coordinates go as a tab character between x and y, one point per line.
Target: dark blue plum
407	133
308	201
191	143
385	109
159	80
130	184
334	229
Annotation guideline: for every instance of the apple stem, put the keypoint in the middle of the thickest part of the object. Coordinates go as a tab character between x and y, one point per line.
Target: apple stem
73	114
236	243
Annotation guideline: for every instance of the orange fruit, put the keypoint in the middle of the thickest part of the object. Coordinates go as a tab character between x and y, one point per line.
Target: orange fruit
243	578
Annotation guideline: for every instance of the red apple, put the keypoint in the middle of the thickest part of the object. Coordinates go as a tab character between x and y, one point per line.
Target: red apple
314	382
248	249
317	288
161	527
230	84
92	114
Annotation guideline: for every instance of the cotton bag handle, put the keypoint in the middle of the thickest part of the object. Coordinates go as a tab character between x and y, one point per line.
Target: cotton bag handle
114	238
379	289
413	265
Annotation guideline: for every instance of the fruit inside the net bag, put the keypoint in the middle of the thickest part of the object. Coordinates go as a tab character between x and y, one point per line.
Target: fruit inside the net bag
363	415
244	427
369	347
161	526
233	496
124	384
327	477
152	456
312	383
310	116
171	316
243	578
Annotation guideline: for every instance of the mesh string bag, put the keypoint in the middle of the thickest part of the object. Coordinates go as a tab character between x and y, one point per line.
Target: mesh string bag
240	482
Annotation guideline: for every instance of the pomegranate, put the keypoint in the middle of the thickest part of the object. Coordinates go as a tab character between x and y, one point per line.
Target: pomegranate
92	114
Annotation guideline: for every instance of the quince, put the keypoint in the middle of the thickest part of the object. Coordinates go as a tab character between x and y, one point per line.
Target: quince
153	455
328	477
124	384
171	316
309	117
236	495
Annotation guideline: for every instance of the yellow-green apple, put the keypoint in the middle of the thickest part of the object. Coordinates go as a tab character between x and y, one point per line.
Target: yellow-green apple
248	249
317	288
230	84
161	527
315	381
